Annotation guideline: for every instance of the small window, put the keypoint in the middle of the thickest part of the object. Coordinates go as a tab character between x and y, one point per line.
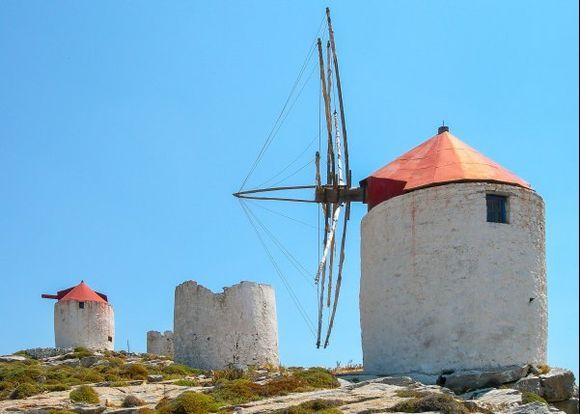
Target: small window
81	305
110	339
496	208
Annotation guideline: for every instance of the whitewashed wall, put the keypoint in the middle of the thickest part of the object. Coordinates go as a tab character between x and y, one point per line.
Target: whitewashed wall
89	327
441	288
160	343
237	326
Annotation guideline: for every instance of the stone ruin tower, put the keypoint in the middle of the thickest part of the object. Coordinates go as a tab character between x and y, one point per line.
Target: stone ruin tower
83	317
237	326
160	343
453	264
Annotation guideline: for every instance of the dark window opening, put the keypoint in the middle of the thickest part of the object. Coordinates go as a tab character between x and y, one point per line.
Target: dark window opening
110	339
496	208
81	305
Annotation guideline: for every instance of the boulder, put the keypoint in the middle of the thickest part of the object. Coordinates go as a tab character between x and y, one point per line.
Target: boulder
569	406
463	381
557	385
89	361
504	397
75	362
532	408
529	384
154	378
88	409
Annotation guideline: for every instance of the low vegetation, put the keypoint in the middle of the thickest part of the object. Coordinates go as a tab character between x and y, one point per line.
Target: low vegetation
410	393
543	368
442	403
24	379
132	401
188	403
530	397
312	407
84	394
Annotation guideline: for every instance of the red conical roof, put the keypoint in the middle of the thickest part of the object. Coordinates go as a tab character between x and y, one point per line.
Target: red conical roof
443	158
81	293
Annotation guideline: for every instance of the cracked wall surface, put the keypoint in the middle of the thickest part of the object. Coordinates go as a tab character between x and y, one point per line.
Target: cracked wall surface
441	288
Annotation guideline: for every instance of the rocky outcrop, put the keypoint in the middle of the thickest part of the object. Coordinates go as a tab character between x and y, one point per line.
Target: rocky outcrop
463	381
557	385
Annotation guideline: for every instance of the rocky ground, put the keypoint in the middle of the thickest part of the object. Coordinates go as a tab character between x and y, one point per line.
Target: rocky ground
161	390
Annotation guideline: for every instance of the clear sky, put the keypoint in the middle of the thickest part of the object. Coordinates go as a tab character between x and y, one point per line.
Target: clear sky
126	126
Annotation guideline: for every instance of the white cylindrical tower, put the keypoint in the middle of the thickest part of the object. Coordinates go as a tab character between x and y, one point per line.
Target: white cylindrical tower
453	272
83	317
238	326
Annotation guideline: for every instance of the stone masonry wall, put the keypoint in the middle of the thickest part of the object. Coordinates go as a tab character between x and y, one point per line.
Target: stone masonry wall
237	326
160	343
441	288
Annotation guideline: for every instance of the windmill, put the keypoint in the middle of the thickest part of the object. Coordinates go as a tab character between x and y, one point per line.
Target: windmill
332	188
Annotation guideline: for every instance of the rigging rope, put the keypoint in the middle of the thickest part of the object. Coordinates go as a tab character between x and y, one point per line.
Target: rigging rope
278	123
293	174
280	214
289	165
280	274
297	265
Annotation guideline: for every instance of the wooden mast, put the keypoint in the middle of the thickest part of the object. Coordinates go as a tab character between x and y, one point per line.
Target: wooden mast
339	90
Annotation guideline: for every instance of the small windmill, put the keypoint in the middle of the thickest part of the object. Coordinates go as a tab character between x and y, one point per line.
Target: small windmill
334	194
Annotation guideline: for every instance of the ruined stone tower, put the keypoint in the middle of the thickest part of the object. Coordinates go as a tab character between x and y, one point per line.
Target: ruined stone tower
160	343
237	326
83	317
453	264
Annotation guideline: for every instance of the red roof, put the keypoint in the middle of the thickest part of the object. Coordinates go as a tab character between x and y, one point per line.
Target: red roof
81	293
443	158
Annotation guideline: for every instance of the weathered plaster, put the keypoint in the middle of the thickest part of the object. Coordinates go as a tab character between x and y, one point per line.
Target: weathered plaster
160	343
237	326
441	288
89	327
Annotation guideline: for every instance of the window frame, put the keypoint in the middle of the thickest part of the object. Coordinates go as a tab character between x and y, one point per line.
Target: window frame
502	210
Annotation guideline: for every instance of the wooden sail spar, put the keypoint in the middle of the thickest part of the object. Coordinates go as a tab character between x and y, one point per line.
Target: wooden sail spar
334	195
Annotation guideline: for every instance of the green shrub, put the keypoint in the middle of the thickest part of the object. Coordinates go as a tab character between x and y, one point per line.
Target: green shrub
132	401
234	392
410	393
431	402
188	403
25	390
317	378
530	397
78	352
186	383
84	394
314	406
134	371
229	374
57	387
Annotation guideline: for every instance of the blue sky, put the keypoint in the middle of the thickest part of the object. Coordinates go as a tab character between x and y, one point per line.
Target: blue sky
126	126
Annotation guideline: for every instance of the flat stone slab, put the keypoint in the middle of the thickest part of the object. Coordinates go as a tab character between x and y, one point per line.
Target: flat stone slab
463	381
12	358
